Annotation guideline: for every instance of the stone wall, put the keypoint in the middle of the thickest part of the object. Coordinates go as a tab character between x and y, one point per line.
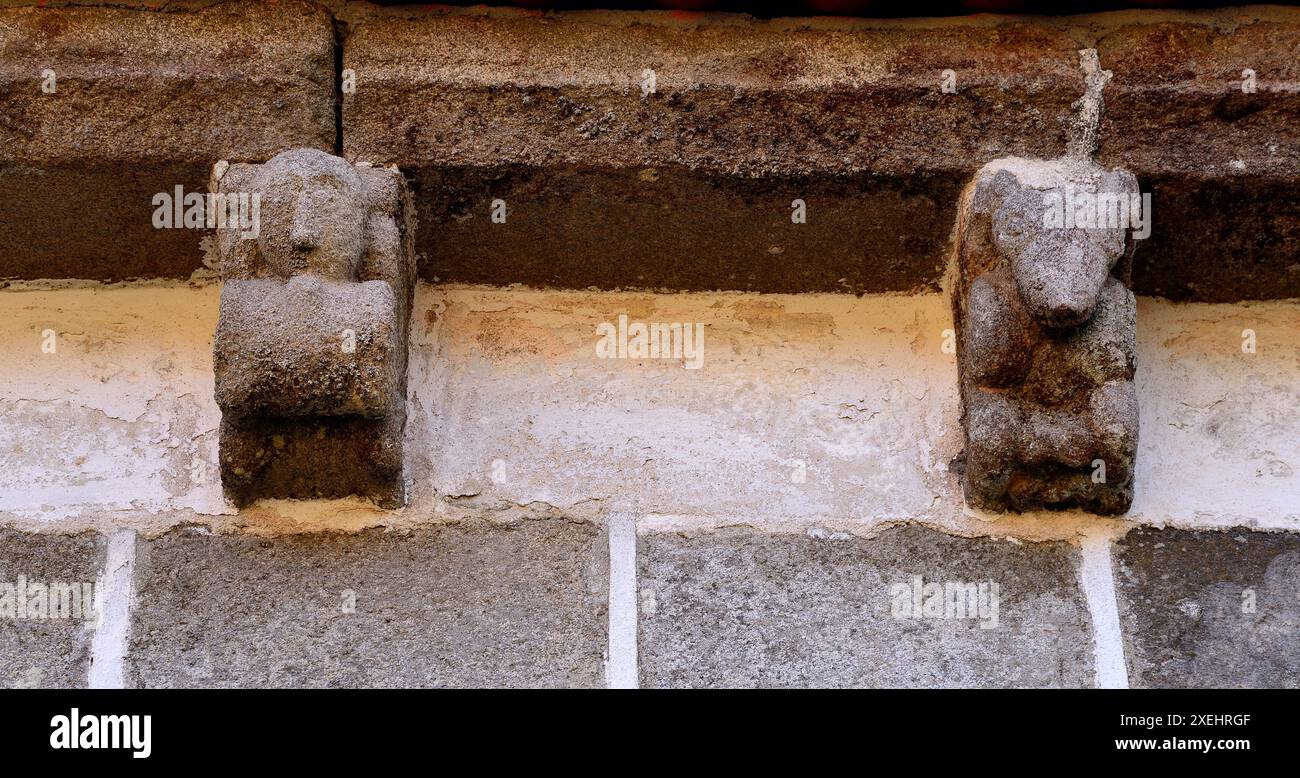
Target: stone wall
778	493
771	516
611	188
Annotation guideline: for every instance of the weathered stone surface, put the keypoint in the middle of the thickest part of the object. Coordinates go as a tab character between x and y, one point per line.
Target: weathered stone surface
463	605
1210	608
691	186
144	101
745	608
1047	332
279	347
1223	165
606	187
310	350
46	652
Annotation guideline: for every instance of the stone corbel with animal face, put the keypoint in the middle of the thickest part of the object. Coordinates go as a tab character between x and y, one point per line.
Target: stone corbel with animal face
310	349
1046	327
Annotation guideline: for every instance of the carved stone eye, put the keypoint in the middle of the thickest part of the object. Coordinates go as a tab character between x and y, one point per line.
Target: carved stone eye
1014	227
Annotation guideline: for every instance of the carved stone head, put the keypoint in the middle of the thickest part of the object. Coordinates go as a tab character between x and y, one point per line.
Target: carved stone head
310	350
1062	228
319	215
316	207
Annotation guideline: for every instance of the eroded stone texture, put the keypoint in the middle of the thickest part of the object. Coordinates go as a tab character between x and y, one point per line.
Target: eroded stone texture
310	350
744	608
1219	149
609	180
1046	329
38	652
103	108
465	605
1210	608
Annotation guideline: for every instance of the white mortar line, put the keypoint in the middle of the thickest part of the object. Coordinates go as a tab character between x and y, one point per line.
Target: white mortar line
1097	577
113	607
1085	128
620	667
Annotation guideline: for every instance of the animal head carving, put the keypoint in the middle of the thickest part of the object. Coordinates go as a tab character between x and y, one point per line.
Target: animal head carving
1062	229
1046	335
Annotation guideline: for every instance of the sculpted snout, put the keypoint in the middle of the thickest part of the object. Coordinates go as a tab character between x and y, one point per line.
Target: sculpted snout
1060	276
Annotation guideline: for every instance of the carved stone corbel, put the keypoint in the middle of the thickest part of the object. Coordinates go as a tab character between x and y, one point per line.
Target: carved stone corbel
310	348
1046	337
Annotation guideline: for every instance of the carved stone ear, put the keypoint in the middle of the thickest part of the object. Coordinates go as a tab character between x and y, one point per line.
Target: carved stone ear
388	229
1005	183
1119	180
1122	181
1123	267
383	257
992	190
383	188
